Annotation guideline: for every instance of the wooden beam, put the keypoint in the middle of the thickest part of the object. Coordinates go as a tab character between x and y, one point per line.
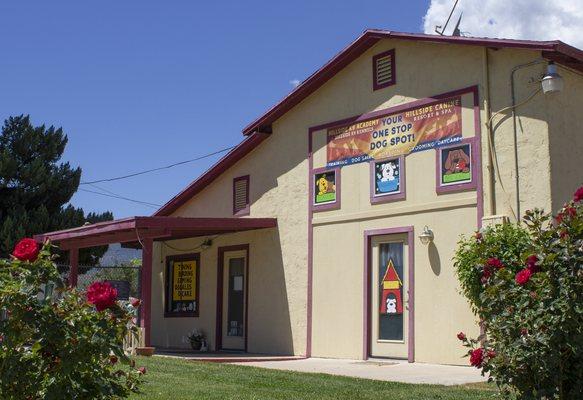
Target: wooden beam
74	262
146	295
109	238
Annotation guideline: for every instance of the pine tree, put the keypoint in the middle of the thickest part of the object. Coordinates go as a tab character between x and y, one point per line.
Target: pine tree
35	188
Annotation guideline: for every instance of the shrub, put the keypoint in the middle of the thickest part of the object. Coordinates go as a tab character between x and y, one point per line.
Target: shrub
526	286
55	342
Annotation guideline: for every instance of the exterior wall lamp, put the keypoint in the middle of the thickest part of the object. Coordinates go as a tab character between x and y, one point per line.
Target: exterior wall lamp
426	236
206	244
552	82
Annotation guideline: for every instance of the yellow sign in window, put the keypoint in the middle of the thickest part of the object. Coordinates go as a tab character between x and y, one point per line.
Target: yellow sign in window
184	281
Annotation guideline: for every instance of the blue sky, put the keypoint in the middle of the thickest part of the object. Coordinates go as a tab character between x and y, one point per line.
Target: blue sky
141	84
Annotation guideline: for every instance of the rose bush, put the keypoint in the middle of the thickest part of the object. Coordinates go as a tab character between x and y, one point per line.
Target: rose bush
525	283
58	343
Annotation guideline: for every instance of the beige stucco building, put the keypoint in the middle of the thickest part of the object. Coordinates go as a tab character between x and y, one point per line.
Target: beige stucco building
305	239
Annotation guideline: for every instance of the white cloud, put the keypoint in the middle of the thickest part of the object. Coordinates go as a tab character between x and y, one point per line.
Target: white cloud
511	19
295	82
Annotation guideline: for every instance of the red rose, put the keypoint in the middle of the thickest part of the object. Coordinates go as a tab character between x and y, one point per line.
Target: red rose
559	218
578	196
142	370
487	272
491	353
531	262
461	336
523	276
26	250
477	357
495	263
135	302
102	295
571	211
563	234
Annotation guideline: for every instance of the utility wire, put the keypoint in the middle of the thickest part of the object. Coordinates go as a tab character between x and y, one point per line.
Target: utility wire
152	205
117	178
117	195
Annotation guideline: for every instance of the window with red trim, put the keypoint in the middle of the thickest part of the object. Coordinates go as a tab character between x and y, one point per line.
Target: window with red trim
383	69
241	195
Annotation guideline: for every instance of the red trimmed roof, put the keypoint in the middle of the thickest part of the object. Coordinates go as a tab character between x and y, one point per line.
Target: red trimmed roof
135	229
554	50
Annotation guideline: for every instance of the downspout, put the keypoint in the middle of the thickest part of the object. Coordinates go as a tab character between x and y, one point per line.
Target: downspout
490	133
515	130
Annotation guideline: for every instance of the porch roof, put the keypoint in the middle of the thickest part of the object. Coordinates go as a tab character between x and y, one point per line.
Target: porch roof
135	229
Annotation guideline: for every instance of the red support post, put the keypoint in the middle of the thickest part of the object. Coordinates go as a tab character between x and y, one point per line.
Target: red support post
74	261
146	308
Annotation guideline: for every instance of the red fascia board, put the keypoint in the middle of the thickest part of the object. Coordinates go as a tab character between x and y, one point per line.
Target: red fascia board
93	229
202	224
230	159
126	236
372	36
156	228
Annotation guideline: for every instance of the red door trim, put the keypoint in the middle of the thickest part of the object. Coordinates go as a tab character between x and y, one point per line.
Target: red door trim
220	272
366	323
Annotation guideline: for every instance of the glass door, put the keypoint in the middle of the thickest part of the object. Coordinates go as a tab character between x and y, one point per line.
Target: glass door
234	301
388	305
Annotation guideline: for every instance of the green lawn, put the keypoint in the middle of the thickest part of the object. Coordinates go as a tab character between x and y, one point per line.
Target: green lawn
184	380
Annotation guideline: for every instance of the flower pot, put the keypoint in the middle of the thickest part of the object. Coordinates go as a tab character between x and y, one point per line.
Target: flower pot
145	351
196	344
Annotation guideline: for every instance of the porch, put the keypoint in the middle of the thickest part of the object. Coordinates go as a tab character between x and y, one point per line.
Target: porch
143	232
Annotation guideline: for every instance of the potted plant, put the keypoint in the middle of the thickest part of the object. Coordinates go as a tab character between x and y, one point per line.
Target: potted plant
196	339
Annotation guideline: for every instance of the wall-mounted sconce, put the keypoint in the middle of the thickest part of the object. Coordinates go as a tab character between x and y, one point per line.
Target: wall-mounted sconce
426	236
552	82
206	244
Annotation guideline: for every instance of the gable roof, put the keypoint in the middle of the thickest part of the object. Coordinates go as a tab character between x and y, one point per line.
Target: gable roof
554	50
258	130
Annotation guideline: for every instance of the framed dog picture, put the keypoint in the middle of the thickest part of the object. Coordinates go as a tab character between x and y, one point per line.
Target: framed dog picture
387	179
455	166
326	188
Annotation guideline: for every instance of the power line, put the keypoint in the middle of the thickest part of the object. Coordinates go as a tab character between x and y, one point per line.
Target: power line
152	205
117	178
117	195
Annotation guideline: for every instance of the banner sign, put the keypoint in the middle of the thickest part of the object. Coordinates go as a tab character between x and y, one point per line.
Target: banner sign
422	128
184	282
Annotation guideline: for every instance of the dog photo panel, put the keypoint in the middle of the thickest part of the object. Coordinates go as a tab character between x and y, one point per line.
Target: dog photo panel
456	165
387	177
325	187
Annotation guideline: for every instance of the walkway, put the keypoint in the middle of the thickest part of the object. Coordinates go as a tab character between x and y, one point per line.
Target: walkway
384	370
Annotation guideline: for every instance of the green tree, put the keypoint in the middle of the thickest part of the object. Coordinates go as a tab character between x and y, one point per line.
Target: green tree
35	188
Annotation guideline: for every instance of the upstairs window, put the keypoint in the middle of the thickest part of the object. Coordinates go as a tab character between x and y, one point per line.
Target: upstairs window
383	69
241	195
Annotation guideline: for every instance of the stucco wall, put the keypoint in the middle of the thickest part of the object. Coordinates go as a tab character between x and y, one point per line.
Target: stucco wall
269	318
279	188
440	312
565	121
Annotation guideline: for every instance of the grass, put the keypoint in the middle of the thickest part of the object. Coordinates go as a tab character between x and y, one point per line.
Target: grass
183	380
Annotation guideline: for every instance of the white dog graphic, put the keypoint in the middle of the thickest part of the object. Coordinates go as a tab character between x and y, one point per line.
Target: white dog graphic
388	172
391	306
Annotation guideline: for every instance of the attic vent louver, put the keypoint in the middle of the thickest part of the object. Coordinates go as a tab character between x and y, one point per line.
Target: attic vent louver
241	195
383	69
